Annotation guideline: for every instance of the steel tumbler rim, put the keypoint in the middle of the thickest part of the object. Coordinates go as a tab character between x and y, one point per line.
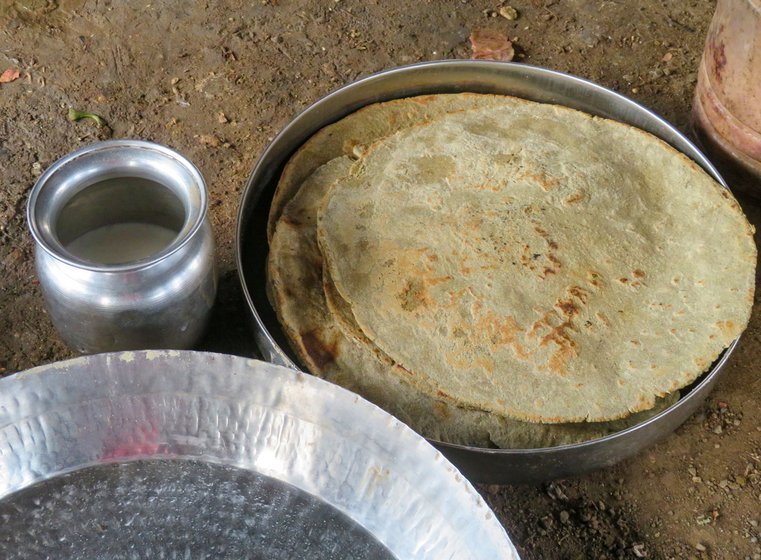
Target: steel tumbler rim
41	220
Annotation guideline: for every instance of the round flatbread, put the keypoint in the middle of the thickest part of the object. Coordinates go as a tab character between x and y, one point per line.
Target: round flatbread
539	263
332	351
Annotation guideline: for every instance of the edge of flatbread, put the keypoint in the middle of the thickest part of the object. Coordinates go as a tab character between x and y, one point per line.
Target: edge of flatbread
361	128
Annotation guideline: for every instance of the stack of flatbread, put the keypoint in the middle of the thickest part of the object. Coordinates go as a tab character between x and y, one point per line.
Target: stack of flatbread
502	273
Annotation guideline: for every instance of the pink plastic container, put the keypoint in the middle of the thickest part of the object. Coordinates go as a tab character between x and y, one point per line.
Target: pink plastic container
727	106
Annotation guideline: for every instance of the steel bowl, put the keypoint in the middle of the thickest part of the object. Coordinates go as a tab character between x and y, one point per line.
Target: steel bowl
537	84
180	454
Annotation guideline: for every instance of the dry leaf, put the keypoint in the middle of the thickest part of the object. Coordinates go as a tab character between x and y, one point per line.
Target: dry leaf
9	75
490	45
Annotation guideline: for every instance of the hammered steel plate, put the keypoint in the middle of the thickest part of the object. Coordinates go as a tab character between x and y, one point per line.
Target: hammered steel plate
196	455
529	82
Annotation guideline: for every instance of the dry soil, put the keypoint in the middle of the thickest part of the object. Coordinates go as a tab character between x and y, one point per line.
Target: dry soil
217	80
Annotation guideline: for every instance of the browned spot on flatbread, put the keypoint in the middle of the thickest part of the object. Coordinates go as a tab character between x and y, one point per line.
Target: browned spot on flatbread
441	410
578	196
559	359
554	260
545	183
521	351
542	262
638	273
500	331
579	293
412	295
415	292
727	327
322	353
538	228
566	309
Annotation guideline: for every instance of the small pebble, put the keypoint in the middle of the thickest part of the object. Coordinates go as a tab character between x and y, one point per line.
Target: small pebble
639	550
700	547
508	12
209	140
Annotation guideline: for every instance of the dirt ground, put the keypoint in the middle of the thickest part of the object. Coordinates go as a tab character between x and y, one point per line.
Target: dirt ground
217	80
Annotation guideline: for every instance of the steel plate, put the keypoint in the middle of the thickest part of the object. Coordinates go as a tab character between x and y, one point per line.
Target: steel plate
197	455
537	84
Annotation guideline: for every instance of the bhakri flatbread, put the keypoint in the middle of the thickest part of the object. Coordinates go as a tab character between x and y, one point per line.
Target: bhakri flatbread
362	128
539	263
506	433
295	271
